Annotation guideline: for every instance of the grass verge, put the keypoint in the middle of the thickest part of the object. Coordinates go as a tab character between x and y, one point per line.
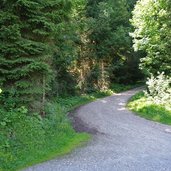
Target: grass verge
27	139
142	107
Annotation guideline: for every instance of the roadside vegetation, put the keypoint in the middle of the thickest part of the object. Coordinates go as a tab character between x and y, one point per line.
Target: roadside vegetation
27	139
148	110
152	36
155	102
32	139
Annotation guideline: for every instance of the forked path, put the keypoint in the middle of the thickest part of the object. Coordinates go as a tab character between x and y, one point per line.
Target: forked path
122	141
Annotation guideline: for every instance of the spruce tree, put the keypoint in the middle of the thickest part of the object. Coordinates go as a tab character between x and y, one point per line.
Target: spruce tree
27	30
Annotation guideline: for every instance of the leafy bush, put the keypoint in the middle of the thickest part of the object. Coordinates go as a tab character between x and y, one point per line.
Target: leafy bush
27	139
18	132
159	89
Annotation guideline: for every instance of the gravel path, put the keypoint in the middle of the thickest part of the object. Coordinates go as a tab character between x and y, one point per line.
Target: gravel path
122	141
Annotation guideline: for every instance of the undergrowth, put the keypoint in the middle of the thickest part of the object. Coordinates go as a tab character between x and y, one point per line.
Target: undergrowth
27	139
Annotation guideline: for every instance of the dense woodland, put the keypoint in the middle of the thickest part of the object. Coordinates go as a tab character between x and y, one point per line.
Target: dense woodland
55	50
52	48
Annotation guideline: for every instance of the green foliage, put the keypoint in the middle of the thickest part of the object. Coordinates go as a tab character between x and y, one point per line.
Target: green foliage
52	40
20	49
27	140
110	40
152	34
68	47
27	44
159	89
117	88
94	47
65	51
149	110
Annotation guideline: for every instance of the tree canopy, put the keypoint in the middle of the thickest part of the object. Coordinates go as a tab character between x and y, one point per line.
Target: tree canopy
152	34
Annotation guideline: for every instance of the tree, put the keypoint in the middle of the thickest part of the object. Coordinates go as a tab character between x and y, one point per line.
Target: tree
66	50
94	47
27	30
152	34
110	40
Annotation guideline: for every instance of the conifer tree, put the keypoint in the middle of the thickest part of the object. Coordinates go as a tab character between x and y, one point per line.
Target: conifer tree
27	30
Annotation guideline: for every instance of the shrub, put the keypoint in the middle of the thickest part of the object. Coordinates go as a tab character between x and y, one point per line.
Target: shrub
159	89
27	139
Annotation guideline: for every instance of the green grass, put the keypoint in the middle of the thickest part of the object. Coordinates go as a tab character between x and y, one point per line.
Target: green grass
52	148
142	107
27	140
34	139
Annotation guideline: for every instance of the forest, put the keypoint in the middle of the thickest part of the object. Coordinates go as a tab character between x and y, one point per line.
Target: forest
56	55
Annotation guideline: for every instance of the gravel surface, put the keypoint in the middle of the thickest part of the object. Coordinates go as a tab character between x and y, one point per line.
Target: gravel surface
122	141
